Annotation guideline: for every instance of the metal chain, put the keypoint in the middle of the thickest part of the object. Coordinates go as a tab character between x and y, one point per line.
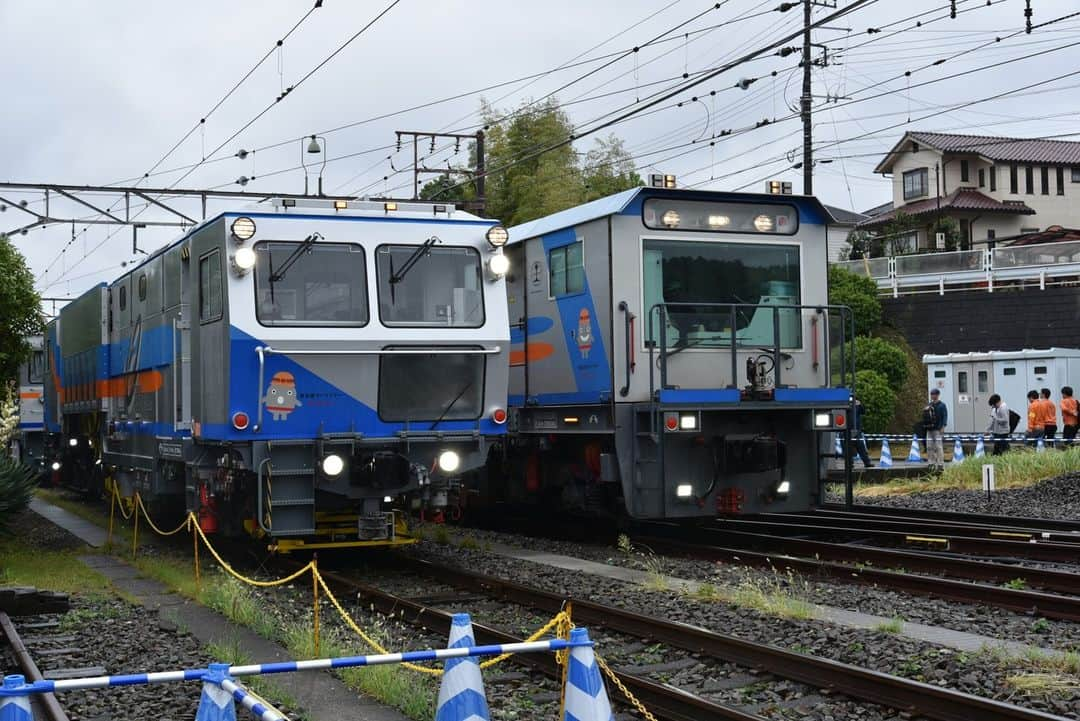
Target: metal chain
626	692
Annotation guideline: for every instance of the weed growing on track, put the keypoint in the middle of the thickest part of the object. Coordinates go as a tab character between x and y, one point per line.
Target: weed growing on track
1016	584
1036	672
653	565
783	595
1019	468
893	625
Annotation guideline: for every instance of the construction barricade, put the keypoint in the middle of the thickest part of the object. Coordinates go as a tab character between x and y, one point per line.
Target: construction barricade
461	695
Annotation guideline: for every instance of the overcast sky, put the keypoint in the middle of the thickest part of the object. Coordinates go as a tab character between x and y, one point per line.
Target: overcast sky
97	92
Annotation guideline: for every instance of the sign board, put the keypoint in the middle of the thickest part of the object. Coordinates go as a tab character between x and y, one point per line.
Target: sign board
988	477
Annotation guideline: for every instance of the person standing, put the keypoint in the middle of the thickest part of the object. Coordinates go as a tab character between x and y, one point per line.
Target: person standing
935	419
999	424
1036	424
1070	418
1049	416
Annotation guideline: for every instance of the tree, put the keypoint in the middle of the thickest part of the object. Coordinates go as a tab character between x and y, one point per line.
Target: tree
893	234
20	313
878	354
950	228
608	169
878	399
858	293
862	244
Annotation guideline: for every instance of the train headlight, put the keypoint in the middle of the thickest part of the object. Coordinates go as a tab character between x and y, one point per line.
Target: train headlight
823	420
333	465
73	442
763	223
688	421
670	219
244	259
497	236
56	465
449	461
719	221
784	488
243	229
499	264
684	490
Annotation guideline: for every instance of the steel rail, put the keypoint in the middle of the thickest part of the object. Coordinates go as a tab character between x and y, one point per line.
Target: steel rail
911	697
1033	549
30	671
819	564
1053	524
922	525
666	702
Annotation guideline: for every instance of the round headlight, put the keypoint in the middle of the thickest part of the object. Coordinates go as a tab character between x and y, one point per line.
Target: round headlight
719	221
73	442
333	464
449	461
763	223
56	465
243	228
497	236
670	219
244	258
499	264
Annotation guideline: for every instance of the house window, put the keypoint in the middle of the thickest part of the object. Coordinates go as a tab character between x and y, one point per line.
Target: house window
915	183
914	147
210	287
964	171
1029	180
1076	175
1044	173
993	178
566	270
1013	186
1060	173
982	177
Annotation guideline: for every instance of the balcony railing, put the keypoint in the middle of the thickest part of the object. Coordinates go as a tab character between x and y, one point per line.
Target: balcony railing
1045	264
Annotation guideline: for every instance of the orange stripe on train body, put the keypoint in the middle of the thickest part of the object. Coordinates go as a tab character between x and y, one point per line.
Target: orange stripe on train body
532	352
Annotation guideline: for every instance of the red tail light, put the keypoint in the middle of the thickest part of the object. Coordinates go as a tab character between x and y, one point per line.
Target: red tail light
499	416
240	420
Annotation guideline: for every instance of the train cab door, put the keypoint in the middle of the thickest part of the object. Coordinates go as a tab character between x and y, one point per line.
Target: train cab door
962	414
182	336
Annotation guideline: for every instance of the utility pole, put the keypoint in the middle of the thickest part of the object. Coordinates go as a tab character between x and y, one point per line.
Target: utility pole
806	100
477	175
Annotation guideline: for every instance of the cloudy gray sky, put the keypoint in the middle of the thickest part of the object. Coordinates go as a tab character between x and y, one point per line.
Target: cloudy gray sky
97	92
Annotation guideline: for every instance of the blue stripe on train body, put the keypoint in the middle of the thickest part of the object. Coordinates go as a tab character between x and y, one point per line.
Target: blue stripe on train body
586	356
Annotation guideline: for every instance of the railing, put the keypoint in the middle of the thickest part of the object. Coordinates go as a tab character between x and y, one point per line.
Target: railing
1046	263
732	338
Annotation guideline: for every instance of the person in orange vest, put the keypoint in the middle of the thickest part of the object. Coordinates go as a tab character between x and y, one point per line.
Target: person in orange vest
1035	423
1049	411
1070	418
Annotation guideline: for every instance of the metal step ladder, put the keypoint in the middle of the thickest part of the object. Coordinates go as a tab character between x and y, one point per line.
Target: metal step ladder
287	502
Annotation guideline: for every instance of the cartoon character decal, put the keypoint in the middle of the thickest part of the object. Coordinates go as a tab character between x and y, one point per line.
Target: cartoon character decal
584	333
281	398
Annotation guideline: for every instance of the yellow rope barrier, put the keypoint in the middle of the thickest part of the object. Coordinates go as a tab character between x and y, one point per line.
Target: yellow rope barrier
625	691
184	524
239	576
114	487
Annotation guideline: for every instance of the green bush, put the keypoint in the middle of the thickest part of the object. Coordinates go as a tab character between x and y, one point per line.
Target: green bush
17	484
878	399
858	293
878	354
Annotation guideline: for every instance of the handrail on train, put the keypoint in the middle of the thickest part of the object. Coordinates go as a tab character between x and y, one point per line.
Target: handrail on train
660	312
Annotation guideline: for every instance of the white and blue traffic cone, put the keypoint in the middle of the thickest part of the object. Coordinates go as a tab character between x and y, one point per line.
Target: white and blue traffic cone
461	694
958	452
1040	447
913	455
886	455
216	704
980	448
586	697
17	708
838	448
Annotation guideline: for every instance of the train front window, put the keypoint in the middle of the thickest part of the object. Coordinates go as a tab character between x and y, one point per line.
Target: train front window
430	387
742	282
431	287
320	284
36	367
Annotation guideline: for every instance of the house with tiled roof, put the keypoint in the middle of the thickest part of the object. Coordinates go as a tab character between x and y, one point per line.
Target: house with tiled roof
992	187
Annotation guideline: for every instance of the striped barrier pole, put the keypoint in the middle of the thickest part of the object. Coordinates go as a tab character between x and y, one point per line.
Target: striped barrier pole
257	706
15	701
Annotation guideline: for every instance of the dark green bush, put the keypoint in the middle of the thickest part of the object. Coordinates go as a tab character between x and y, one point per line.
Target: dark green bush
878	399
858	293
878	354
17	484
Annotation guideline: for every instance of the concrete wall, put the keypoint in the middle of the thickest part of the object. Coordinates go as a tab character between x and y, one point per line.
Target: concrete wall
972	321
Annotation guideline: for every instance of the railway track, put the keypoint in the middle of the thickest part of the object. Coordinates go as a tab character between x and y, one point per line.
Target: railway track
45	704
1045	524
832	677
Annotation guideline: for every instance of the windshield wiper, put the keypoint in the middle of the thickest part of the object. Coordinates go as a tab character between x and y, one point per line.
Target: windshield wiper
412	260
302	247
456	399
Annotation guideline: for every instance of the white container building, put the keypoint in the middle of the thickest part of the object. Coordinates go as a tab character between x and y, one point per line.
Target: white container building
967	380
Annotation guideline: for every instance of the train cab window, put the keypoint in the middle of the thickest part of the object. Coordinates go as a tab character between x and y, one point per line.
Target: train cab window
566	270
36	367
319	284
123	297
705	286
210	301
142	287
431	287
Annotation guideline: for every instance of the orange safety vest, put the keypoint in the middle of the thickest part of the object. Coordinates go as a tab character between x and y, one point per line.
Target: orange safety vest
1049	412
1069	408
1035	418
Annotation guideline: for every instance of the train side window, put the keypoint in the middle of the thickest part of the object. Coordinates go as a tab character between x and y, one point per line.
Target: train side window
566	270
123	297
939	374
37	367
1040	370
982	381
210	287
1009	372
142	287
962	382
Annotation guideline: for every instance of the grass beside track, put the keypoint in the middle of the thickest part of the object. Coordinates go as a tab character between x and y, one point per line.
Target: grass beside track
1019	468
